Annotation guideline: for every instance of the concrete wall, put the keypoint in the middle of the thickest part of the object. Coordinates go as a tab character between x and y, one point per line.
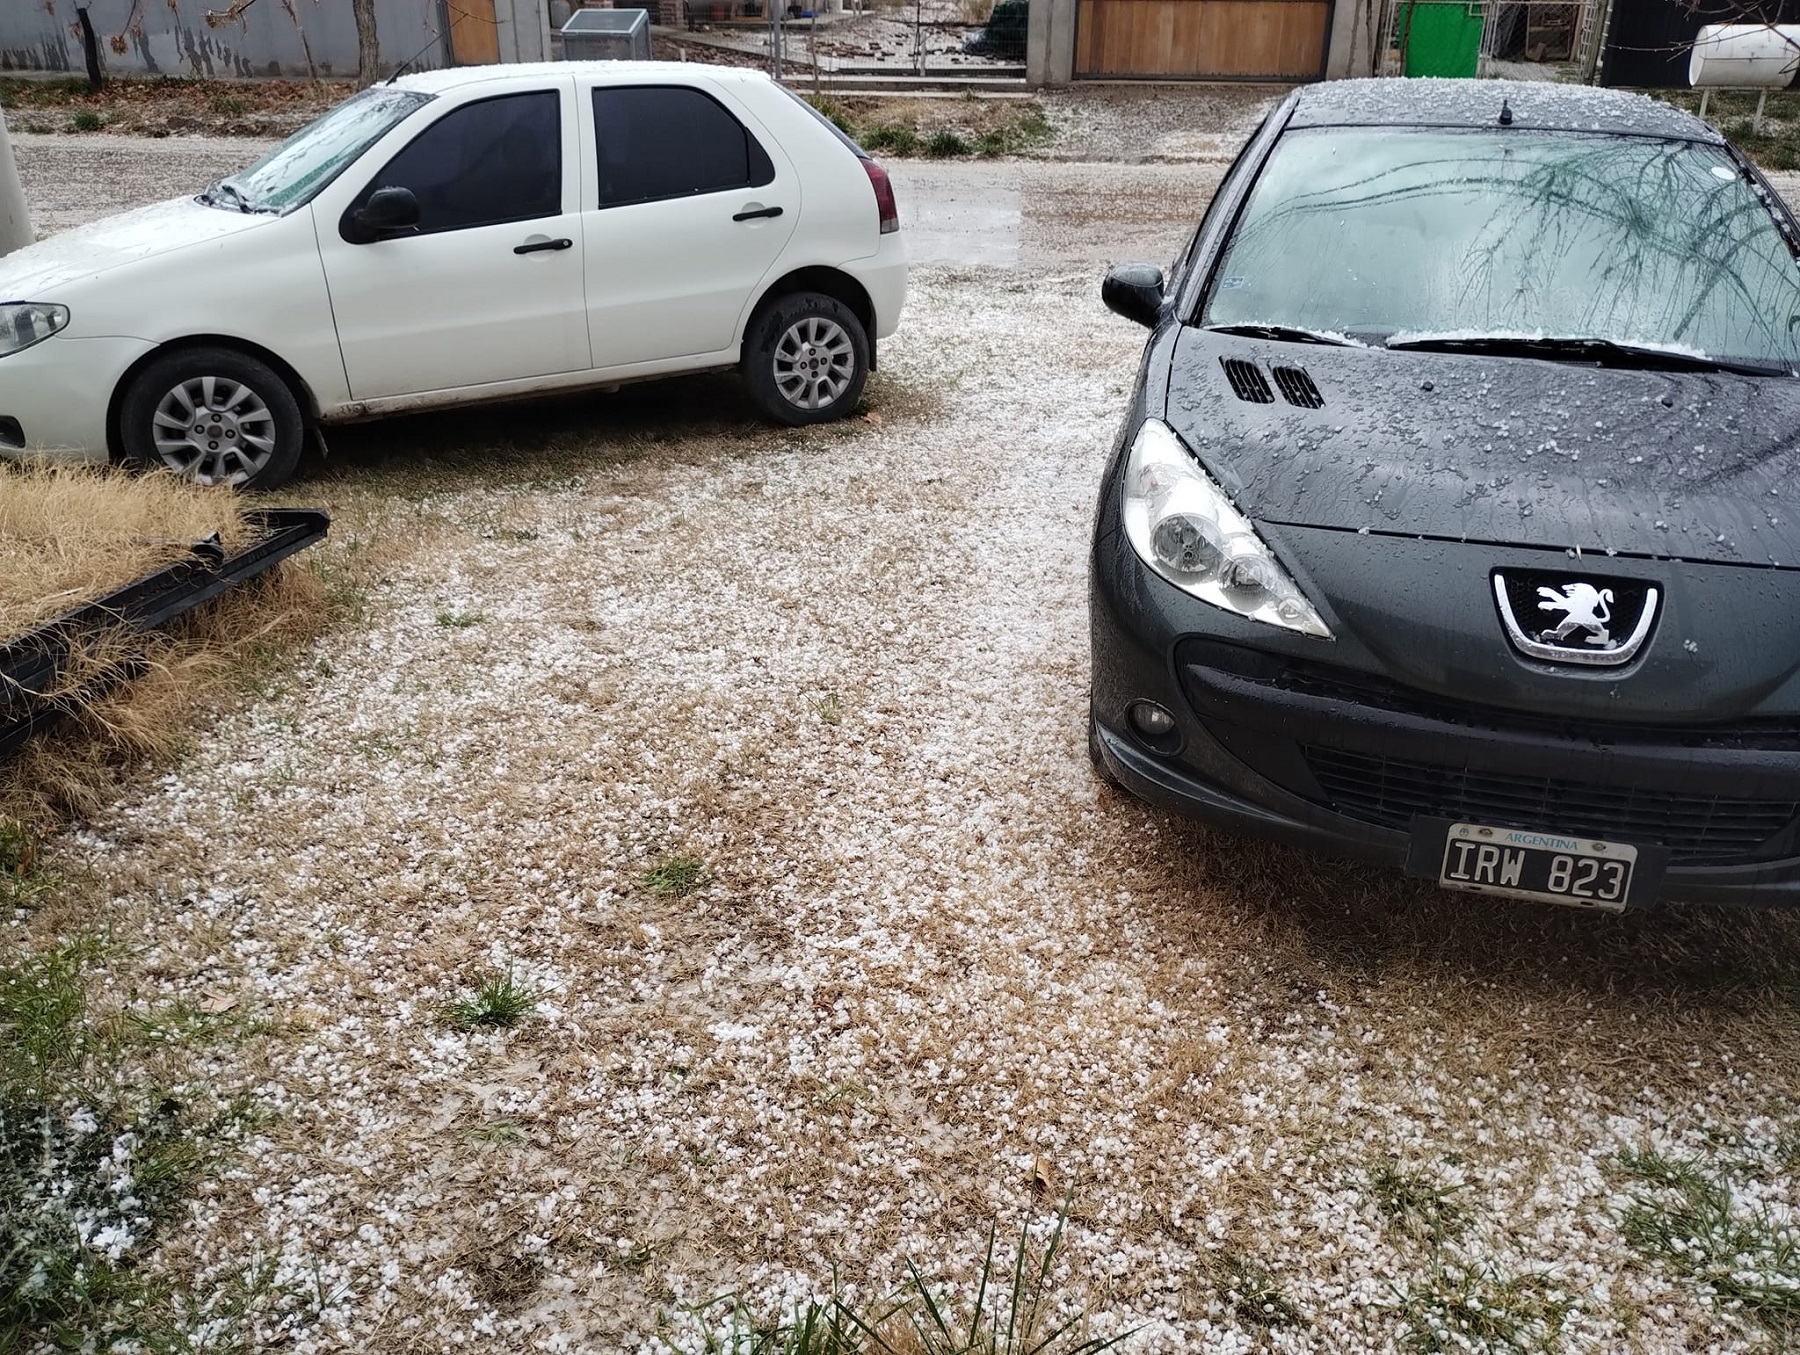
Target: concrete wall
271	37
1050	42
1352	51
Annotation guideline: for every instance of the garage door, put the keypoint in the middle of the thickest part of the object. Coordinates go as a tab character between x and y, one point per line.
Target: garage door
1202	39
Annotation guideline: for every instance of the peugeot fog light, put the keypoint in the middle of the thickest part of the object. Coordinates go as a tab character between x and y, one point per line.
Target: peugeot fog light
1184	527
23	323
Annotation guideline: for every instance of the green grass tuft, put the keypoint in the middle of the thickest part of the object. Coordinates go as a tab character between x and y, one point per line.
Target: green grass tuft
1014	1310
677	877
1252	1295
1685	1217
500	1002
891	137
814	1329
1474	1308
1416	1203
946	143
450	620
89	1168
42	1001
88	121
24	879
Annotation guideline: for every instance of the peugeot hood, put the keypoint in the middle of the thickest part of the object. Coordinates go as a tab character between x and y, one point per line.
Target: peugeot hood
1689	465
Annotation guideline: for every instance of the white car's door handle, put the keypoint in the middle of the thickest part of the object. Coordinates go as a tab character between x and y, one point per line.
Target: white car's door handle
538	246
756	213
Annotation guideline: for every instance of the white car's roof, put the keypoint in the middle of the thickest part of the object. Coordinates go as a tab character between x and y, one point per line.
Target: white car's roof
459	77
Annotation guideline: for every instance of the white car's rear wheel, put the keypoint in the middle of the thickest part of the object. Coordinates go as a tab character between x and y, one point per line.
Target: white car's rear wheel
213	416
806	359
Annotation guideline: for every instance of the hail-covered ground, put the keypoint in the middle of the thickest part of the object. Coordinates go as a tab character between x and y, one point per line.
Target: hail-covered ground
931	976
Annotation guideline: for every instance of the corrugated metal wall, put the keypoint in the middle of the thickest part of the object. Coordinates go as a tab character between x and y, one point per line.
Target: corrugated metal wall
269	37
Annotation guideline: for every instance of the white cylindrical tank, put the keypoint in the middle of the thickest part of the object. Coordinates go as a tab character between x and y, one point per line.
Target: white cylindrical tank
1745	56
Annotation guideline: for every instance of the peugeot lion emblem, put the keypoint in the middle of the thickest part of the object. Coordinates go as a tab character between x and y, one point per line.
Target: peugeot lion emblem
1560	618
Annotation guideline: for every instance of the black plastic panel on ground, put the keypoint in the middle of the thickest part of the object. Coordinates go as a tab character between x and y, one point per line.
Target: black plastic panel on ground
31	663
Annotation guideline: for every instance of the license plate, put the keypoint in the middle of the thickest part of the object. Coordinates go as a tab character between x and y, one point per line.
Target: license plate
1549	867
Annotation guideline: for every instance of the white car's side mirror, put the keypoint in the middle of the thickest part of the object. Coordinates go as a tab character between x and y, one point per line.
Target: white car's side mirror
388	212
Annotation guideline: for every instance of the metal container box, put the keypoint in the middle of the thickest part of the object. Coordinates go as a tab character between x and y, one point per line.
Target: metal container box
607	35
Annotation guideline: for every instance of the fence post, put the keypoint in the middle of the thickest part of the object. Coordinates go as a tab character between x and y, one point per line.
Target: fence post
15	221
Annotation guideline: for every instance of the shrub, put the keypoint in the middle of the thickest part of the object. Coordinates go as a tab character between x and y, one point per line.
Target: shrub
946	143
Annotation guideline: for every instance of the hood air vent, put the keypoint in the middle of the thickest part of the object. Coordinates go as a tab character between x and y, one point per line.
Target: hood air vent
1247	381
1297	387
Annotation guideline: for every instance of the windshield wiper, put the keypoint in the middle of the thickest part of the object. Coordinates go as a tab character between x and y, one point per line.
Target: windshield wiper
1606	352
1285	334
231	193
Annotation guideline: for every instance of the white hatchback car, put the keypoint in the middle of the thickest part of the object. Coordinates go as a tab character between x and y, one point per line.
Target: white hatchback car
459	236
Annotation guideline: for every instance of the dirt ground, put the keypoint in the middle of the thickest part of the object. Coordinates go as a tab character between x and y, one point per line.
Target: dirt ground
933	975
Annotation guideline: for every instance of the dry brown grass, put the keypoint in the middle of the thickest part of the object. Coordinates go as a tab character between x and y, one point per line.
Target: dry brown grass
70	534
73	767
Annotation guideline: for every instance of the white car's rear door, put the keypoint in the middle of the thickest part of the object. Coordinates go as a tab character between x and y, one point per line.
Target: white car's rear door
688	204
490	286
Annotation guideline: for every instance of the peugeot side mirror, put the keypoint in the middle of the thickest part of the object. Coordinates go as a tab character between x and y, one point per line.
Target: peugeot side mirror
389	211
1134	290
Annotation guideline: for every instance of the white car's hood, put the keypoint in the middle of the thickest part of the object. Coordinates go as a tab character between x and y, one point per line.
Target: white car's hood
37	271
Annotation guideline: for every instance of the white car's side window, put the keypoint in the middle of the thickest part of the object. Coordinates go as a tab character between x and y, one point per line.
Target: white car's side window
669	141
486	163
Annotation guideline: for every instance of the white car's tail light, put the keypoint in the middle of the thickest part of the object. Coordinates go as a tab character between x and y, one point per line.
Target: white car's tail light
1186	528
884	196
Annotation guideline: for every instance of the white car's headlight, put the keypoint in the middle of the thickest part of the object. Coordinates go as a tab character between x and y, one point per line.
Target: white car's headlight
1185	528
23	323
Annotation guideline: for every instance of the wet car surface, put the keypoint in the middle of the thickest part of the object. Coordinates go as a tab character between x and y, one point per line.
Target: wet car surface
1399	579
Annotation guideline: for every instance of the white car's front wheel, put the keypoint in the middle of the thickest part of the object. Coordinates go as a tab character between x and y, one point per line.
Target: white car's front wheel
806	359
214	416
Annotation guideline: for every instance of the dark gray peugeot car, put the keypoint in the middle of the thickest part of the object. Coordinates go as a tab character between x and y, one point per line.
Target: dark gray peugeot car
1456	520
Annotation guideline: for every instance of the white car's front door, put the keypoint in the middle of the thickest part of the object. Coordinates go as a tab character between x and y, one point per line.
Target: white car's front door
687	211
488	288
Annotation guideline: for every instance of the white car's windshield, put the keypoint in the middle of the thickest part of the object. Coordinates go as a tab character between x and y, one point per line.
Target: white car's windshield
1439	237
299	167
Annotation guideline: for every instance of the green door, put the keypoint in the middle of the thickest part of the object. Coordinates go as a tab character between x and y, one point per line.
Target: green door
1440	39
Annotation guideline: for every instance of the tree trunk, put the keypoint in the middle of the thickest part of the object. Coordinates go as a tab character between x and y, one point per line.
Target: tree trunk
368	47
90	48
15	221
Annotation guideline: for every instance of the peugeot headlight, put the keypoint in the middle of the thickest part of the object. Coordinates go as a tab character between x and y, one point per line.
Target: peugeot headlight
23	323
1184	527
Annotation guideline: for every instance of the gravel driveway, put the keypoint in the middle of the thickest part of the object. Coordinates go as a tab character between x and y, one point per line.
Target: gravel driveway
934	975
1003	213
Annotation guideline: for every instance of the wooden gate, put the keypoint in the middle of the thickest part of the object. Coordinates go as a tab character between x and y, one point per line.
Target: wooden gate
1202	39
474	32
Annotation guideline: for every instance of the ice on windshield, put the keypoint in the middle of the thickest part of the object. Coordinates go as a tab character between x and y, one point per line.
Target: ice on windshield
1478	234
299	167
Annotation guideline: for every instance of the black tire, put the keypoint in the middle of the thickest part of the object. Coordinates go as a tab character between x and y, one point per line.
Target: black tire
801	348
250	406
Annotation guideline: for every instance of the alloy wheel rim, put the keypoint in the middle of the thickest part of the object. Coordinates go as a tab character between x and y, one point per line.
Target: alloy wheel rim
814	362
214	431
